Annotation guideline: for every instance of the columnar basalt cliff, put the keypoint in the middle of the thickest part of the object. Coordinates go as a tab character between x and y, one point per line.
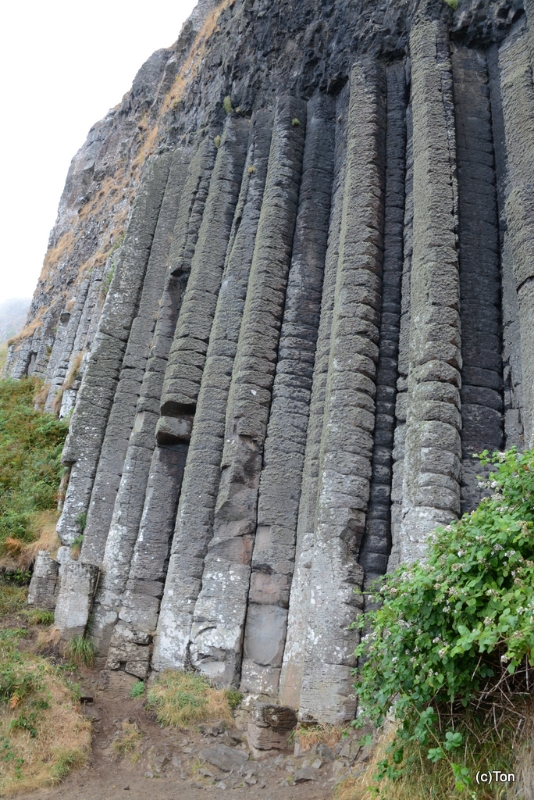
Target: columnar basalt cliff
288	295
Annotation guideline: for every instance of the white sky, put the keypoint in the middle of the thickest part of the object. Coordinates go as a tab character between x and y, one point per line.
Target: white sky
63	65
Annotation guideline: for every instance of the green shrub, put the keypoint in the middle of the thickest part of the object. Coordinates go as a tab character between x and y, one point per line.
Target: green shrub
452	644
217	141
234	698
227	104
295	122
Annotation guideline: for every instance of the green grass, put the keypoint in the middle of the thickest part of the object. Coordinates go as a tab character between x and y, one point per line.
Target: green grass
137	690
80	651
30	469
42	735
12	598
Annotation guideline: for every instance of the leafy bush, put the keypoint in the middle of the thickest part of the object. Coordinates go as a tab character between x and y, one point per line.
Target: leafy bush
30	469
452	643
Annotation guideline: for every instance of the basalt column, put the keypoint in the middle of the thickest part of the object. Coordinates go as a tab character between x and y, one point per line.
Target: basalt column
88	424
217	632
482	404
279	492
163	469
431	488
517	93
194	521
376	545
208	258
293	661
349	419
123	412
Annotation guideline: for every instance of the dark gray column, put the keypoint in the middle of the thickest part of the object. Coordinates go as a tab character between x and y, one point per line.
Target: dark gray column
482	403
194	522
221	606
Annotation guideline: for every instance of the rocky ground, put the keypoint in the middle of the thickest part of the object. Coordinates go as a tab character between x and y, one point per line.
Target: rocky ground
166	764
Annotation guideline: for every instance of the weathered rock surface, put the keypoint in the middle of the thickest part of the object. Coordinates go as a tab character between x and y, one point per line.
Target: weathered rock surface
289	294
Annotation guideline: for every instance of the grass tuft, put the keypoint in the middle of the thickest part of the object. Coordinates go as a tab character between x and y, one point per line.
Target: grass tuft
80	651
137	690
310	735
183	699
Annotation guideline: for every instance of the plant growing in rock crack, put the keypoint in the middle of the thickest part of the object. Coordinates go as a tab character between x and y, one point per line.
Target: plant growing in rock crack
217	141
227	104
81	521
76	547
295	122
451	651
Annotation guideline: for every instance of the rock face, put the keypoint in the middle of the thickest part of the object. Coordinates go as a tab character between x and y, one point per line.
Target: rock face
289	294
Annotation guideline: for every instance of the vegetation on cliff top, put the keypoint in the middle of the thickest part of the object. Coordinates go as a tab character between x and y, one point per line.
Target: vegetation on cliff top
30	468
451	652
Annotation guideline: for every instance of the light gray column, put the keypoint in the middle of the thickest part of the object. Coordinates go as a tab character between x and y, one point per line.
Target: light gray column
517	94
431	489
347	442
123	413
88	424
293	661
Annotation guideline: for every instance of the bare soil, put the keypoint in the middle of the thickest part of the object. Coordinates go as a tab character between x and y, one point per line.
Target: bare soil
168	766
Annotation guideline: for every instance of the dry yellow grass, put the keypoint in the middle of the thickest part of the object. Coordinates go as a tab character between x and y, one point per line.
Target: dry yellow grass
28	329
46	538
48	640
40	398
43	735
183	699
309	736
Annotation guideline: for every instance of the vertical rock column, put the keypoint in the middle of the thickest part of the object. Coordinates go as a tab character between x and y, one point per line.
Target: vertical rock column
431	489
347	441
399	437
377	541
517	93
294	651
205	266
59	361
194	521
123	412
89	421
163	469
482	421
511	333
220	609
279	492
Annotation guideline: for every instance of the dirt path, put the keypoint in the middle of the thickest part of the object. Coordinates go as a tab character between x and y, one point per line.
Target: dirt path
168	766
